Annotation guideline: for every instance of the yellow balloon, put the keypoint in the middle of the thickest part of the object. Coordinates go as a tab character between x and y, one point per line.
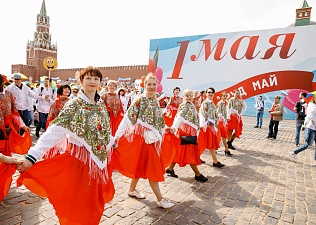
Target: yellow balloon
50	63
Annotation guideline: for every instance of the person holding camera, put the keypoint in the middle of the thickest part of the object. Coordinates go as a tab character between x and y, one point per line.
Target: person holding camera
260	110
300	112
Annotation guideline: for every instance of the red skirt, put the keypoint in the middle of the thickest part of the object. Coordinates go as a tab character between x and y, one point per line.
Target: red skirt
235	123
15	143
115	122
6	173
77	197
186	154
222	129
137	159
208	139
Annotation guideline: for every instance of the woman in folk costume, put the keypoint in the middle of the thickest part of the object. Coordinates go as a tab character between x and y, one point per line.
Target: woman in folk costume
222	121
208	137
63	92
114	105
172	107
139	138
235	108
76	180
10	139
186	128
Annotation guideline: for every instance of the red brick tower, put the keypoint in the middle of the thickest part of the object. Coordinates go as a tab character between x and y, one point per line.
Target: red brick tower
40	47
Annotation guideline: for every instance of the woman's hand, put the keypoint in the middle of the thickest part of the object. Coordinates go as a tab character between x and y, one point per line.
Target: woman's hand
26	165
25	128
170	130
115	145
9	160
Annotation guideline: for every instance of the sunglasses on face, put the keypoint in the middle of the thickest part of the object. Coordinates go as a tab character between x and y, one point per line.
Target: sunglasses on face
17	79
189	95
75	91
210	92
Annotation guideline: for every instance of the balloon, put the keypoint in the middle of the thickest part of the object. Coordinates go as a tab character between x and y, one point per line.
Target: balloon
158	74
151	66
159	88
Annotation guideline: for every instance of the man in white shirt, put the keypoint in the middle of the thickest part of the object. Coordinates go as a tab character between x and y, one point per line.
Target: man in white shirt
21	92
45	96
260	110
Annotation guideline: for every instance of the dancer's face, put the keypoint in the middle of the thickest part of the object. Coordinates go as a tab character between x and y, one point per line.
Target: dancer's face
188	97
111	87
210	94
66	92
151	87
176	92
224	97
90	83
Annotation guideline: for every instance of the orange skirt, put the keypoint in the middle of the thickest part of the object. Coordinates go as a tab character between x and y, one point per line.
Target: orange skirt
115	122
222	129
137	159
187	154
208	140
76	196
235	123
15	143
6	173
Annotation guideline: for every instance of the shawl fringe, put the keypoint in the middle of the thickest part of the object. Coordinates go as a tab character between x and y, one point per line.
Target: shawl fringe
139	128
69	143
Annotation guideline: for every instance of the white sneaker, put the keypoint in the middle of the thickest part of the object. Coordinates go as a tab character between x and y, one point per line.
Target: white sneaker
136	194
297	145
164	204
293	156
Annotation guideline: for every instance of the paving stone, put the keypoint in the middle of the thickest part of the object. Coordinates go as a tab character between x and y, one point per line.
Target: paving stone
287	217
112	211
216	219
201	218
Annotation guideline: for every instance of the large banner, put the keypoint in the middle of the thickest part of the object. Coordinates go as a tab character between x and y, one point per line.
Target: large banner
264	62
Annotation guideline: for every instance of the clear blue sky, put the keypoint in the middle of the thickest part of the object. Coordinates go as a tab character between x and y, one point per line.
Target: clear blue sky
115	33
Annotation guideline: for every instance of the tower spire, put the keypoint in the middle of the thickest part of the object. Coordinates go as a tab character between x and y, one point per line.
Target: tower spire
43	9
304	4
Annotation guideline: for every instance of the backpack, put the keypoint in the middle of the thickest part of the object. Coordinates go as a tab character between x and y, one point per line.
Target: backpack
301	112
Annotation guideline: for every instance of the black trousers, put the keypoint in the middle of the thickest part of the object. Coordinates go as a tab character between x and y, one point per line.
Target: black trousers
273	128
42	121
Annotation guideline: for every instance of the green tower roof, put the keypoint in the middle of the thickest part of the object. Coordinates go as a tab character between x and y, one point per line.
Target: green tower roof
304	5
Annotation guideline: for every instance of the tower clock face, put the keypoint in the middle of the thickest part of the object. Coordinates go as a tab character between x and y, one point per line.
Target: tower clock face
45	36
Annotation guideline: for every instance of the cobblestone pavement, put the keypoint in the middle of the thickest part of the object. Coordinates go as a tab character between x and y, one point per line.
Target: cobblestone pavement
259	185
